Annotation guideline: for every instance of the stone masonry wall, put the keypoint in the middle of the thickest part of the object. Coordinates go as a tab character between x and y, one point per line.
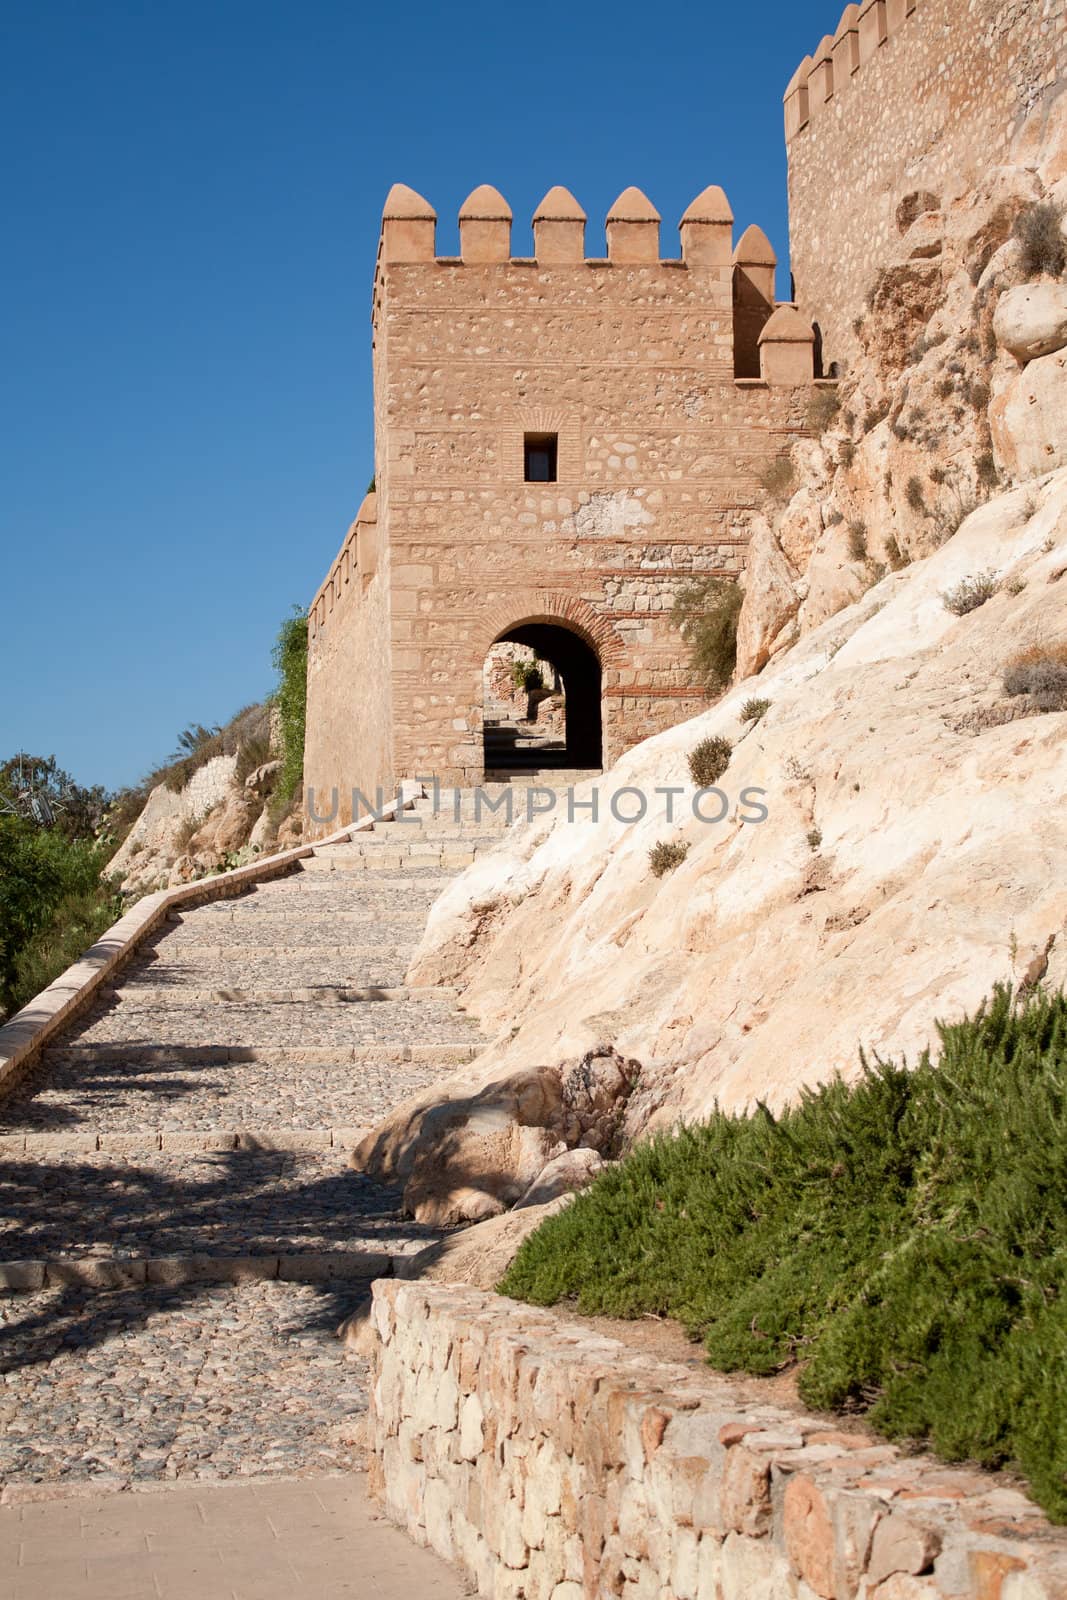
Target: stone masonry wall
910	96
659	450
348	742
550	1463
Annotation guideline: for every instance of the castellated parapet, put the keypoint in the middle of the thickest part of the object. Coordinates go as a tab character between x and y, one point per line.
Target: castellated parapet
561	442
905	96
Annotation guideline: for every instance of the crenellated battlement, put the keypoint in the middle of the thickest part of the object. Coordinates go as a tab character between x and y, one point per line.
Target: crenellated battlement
631	231
830	72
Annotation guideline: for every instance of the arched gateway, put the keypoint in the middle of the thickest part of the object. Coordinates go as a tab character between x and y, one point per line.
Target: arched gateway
561	443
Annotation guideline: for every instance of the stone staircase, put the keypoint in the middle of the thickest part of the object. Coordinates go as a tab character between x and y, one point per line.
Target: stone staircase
178	1199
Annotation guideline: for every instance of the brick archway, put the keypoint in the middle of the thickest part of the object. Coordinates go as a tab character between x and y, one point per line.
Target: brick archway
561	611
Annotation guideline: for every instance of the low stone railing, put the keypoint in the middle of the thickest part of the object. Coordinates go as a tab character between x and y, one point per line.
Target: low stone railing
29	1030
550	1463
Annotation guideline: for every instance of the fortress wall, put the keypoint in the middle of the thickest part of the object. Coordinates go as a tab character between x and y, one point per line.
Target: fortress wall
908	95
659	449
349	711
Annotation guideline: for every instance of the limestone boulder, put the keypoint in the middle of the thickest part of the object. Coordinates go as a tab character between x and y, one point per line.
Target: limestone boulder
1031	321
475	1150
1028	420
478	1257
567	1172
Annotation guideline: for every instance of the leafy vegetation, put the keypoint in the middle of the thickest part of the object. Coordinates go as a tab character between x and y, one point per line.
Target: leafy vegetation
902	1239
527	675
778	478
708	760
291	663
665	856
970	593
857	540
53	900
705	612
754	709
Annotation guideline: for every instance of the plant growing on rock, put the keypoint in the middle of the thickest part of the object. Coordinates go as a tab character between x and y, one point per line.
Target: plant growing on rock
705	612
857	540
709	760
778	478
822	409
665	856
1041	673
970	593
914	494
814	838
1042	247
753	710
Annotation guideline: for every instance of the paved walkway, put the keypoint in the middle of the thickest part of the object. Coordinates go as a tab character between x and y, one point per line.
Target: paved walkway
285	1540
177	1208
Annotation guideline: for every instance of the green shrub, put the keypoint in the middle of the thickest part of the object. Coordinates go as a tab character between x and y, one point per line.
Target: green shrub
857	540
986	470
527	675
705	612
753	710
1043	248
252	754
290	659
709	760
814	838
664	857
905	1237
914	494
970	593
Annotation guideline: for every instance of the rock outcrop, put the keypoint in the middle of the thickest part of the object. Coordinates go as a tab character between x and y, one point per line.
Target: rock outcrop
220	817
497	1139
910	857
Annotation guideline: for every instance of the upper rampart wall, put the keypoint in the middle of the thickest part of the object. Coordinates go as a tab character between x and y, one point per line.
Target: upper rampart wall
905	96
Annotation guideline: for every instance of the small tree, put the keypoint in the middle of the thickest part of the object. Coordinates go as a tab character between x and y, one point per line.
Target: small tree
290	659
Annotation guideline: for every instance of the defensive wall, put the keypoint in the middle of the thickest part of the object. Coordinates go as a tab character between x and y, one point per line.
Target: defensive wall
657	390
906	98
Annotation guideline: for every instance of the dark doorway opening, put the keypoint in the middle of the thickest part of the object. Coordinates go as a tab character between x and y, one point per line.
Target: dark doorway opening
555	724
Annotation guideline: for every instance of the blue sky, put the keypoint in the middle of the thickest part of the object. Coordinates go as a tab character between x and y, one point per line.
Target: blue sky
191	196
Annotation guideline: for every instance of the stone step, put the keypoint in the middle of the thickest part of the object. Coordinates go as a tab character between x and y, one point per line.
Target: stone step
131	1272
264	912
194	953
203	1055
347	858
180	1141
178	994
129	1207
559	778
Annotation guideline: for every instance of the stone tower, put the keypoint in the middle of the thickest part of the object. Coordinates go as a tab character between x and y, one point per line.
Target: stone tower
561	442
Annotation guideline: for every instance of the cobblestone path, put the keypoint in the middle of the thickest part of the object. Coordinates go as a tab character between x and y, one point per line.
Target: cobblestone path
181	1231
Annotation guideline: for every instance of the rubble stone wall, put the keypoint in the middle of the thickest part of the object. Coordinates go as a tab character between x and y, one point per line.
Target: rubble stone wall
916	97
550	1463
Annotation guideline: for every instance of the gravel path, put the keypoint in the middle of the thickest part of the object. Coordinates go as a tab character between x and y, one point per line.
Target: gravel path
212	1381
208	1379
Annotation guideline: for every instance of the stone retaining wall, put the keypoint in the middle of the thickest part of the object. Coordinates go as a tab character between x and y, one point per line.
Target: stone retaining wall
550	1463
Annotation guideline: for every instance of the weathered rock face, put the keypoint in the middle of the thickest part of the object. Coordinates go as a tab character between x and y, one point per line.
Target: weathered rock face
467	1155
935	414
1028	419
911	854
215	820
